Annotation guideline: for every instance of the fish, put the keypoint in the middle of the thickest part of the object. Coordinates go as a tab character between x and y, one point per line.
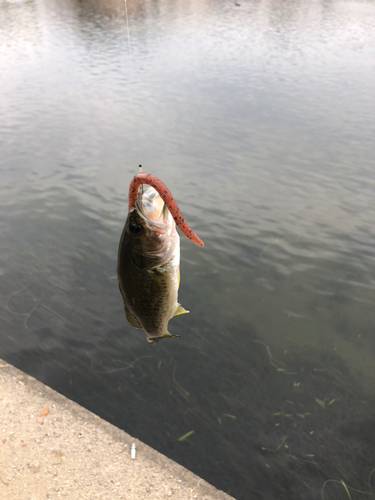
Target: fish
148	265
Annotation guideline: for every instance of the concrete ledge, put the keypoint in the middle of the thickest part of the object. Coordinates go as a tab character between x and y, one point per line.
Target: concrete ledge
70	452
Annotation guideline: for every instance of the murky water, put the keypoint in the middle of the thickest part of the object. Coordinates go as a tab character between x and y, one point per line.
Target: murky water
260	119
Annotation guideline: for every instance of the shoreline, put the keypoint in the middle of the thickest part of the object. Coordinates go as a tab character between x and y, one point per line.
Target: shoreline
51	447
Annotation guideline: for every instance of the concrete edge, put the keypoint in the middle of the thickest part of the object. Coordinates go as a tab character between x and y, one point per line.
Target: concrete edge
151	457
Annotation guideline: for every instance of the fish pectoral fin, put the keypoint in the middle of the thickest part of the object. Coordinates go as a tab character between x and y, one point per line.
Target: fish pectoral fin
180	310
132	319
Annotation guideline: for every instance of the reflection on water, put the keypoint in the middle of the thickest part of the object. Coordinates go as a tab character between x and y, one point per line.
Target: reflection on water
260	120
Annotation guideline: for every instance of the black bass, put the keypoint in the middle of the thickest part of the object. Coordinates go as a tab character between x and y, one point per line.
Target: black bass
149	259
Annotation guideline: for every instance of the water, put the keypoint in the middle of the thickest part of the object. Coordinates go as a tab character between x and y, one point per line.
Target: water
260	119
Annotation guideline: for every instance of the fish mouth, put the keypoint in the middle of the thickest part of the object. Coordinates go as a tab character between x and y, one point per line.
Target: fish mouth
150	204
159	235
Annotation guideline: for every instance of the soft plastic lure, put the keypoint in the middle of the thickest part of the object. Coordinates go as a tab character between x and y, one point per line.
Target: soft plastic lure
161	188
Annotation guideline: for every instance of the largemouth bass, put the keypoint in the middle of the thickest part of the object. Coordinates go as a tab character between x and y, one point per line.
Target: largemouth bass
149	258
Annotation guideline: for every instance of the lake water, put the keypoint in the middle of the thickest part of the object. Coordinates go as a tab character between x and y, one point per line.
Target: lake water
260	118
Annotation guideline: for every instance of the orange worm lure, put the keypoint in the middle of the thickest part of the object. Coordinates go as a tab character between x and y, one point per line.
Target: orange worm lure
161	188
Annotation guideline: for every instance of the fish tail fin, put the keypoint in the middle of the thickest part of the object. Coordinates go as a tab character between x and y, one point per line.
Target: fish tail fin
166	335
170	335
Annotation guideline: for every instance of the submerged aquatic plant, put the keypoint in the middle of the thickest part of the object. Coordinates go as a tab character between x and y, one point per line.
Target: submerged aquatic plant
347	488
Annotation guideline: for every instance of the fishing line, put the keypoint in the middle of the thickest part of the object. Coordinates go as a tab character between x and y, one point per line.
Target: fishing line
132	83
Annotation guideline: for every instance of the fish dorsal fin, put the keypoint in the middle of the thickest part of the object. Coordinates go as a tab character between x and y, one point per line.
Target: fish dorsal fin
132	319
180	310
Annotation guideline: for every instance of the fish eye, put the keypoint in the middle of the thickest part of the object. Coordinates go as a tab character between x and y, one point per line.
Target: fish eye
135	228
